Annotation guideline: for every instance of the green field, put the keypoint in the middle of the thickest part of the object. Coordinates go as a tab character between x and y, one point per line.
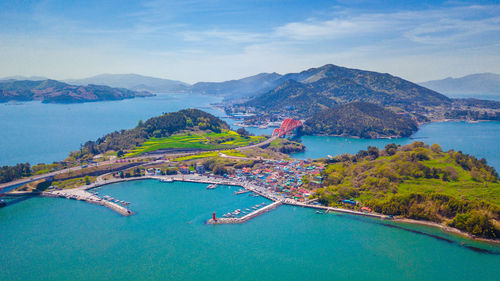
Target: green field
202	141
419	182
210	154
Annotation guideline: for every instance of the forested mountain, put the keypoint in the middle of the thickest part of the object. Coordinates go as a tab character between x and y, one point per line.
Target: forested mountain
331	84
134	82
359	119
481	83
52	91
234	89
158	127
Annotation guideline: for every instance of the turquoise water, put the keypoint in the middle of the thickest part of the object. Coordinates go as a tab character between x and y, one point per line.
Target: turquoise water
60	239
35	132
479	139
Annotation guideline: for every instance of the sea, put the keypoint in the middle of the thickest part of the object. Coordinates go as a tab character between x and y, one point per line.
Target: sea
168	238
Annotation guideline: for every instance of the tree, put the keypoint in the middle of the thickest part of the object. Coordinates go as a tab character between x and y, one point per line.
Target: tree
391	149
242	132
436	148
119	154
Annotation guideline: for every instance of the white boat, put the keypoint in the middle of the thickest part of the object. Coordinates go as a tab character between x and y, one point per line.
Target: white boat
166	180
212	186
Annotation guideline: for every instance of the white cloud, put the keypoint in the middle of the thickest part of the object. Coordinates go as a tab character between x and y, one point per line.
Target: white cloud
417	45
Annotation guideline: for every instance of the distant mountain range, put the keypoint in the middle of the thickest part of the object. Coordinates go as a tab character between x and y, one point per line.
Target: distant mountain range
314	89
19	77
481	83
52	91
242	88
134	82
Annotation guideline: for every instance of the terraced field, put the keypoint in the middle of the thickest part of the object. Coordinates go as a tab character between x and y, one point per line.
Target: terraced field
193	141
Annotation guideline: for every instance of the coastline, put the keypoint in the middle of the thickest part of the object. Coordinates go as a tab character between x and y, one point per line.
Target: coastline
206	180
448	229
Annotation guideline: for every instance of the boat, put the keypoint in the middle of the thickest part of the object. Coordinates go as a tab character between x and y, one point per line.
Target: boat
319	212
166	180
212	186
3	203
241	191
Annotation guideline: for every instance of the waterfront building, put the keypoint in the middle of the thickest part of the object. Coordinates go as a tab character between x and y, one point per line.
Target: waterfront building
184	170
200	169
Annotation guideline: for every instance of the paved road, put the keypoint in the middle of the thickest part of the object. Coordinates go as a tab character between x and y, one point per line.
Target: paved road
157	158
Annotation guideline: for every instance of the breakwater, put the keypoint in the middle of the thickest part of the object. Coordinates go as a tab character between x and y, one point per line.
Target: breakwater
333	209
83	195
246	217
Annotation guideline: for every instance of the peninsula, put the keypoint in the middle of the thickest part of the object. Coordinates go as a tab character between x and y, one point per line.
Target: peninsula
52	91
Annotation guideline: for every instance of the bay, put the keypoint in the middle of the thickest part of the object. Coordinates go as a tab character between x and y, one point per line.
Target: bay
35	132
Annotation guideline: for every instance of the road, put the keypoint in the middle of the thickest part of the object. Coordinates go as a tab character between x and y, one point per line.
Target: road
157	158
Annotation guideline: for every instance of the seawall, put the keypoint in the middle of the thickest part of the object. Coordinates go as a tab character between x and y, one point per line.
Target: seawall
246	217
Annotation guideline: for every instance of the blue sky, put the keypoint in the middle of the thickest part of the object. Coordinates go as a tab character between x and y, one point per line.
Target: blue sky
220	40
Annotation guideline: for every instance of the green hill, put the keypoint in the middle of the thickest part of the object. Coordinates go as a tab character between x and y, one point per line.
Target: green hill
52	91
359	119
166	125
183	131
418	182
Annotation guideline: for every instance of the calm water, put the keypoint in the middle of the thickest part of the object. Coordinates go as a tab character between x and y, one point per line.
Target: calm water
479	139
168	240
34	132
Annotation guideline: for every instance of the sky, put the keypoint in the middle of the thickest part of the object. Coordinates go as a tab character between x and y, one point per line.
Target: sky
203	40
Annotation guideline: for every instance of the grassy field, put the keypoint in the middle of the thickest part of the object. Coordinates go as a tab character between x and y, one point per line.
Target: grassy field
419	182
202	141
365	174
210	154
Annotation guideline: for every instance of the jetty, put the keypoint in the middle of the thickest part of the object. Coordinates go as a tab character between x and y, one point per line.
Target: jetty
83	195
333	209
246	217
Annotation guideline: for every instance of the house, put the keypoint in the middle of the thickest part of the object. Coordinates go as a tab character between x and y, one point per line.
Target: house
200	169
184	170
365	209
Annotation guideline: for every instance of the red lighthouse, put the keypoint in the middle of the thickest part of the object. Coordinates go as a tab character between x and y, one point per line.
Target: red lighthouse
213	217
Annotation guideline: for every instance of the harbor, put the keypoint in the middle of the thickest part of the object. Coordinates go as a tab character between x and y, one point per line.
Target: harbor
87	194
215	220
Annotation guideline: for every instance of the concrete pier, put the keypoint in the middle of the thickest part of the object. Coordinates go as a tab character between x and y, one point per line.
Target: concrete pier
83	195
246	217
333	209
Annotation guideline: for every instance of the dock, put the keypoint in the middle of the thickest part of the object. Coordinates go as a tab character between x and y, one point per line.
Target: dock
337	210
246	217
83	195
